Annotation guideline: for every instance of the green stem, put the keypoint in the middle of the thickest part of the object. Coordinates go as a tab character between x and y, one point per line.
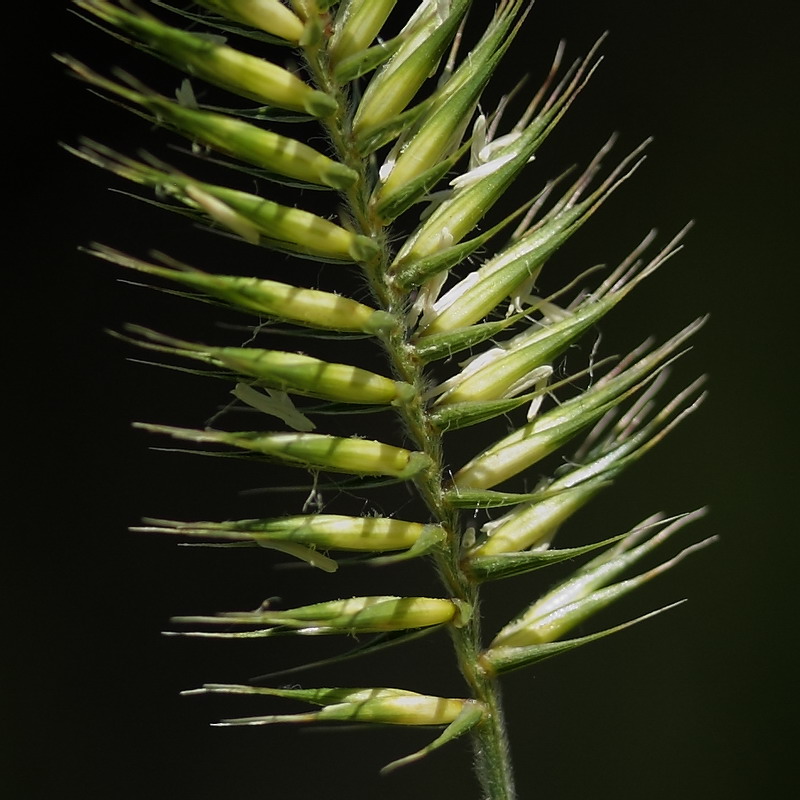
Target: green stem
490	741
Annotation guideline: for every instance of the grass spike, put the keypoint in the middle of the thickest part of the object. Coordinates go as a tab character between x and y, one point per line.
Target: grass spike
389	114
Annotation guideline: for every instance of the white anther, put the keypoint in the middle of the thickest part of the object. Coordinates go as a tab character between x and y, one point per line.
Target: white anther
483	171
276	404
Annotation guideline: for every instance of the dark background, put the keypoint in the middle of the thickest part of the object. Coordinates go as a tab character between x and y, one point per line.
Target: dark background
698	703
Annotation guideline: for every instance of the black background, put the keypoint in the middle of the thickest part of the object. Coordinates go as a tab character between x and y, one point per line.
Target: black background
697	703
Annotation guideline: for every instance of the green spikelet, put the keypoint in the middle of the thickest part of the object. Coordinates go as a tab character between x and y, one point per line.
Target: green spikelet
380	109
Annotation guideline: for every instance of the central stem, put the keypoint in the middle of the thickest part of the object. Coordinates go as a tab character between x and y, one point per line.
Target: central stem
490	742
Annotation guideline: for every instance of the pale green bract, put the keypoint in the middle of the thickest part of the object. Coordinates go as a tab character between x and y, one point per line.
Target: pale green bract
413	166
